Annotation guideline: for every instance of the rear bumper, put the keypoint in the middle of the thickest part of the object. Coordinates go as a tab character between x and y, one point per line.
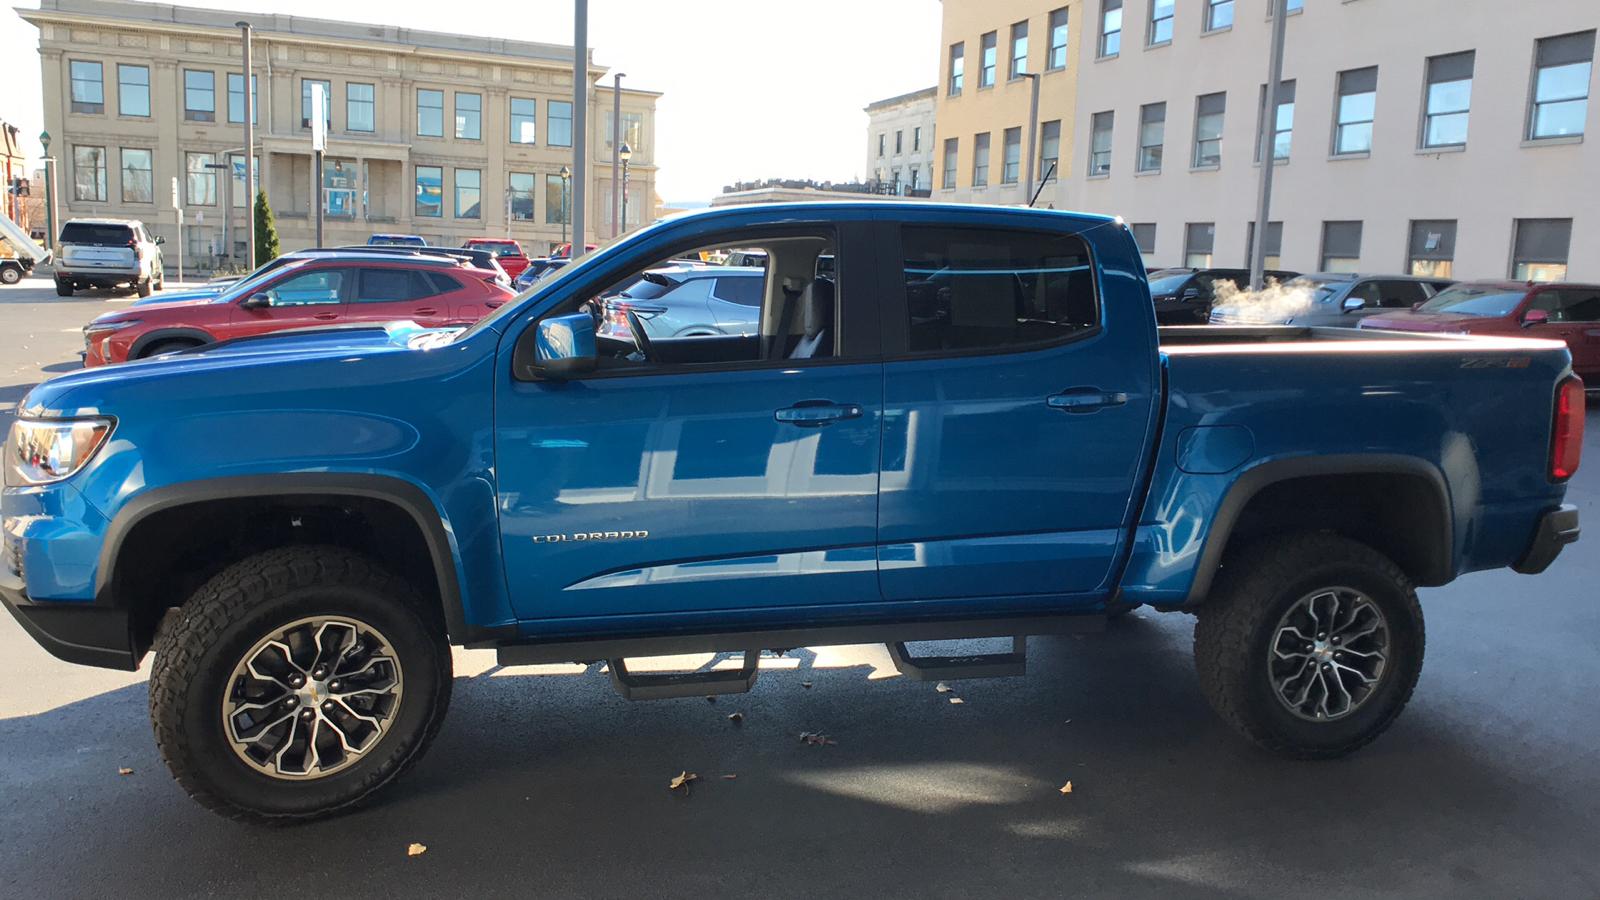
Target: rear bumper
1556	529
110	273
86	635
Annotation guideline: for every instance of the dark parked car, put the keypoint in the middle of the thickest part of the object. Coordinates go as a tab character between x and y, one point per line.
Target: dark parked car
396	240
1559	311
1333	299
536	270
1184	296
687	300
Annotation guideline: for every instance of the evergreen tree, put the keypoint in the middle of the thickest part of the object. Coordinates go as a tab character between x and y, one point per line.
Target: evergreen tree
266	234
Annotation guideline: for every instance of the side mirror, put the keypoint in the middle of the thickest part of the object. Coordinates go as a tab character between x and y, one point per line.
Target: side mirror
1535	317
1351	304
564	347
255	301
160	240
1191	294
1417	305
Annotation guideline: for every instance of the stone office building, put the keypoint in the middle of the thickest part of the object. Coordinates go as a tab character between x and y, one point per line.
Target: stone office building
445	136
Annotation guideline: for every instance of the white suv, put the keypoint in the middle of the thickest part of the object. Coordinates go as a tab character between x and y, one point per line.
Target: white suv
106	253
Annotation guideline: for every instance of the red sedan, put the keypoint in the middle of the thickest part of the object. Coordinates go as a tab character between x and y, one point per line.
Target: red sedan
319	291
1556	310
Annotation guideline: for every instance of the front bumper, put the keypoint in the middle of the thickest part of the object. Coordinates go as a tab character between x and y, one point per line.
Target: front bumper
1556	529
82	634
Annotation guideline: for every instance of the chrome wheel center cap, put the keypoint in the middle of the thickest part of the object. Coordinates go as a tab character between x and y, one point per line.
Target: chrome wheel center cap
1322	650
312	695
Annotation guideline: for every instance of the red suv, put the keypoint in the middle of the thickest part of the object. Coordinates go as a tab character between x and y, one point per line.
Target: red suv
318	291
1557	310
507	253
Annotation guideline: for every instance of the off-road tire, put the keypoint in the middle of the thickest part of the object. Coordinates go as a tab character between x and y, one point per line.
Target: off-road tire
1257	585
197	651
142	287
63	288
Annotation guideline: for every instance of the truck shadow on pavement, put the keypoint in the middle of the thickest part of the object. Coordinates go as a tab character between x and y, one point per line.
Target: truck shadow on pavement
553	786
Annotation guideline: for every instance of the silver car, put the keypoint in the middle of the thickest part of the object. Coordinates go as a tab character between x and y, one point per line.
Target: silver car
108	253
1330	299
687	300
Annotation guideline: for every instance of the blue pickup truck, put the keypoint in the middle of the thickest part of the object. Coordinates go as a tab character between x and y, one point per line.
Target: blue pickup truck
965	425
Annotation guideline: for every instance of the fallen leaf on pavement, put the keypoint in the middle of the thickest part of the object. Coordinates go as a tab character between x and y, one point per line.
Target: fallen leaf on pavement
805	684
416	850
817	738
710	698
1066	788
944	688
124	771
682	781
736	718
957	700
729	777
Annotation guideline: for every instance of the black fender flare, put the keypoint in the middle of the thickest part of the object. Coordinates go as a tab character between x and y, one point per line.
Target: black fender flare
1440	554
168	334
399	492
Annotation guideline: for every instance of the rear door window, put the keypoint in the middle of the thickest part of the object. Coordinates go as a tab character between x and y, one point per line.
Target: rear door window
743	291
389	286
978	289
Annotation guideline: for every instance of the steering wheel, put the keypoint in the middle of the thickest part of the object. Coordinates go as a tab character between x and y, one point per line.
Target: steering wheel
640	339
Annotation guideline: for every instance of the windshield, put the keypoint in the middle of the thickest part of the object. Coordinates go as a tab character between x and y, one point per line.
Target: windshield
1466	301
498	249
1166	284
1323	288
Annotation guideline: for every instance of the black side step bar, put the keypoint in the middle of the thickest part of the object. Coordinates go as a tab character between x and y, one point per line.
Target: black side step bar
665	686
982	665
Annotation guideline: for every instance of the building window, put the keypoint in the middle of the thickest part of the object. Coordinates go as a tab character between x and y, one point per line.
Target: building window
1358	100
1019	50
1540	252
1209	111
1433	248
1049	149
1561	86
557	208
1100	143
88	88
359	107
200	179
1152	135
632	134
430	191
1161	21
915	176
469	190
558	128
138	182
1272	257
307	86
1282	121
950	146
1144	235
199	96
1011	167
524	121
1110	27
990	44
1198	238
958	64
133	90
980	159
469	117
1058	40
89	174
1219	14
236	98
916	139
1444	121
899	142
430	114
883	138
1341	246
523	185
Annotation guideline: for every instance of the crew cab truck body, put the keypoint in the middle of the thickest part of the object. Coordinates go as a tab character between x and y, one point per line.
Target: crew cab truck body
967	425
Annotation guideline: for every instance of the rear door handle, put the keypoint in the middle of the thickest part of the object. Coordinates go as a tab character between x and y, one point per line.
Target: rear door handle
1085	399
817	413
494	304
325	316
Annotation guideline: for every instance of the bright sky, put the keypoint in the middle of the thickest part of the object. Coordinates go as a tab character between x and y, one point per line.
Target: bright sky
752	90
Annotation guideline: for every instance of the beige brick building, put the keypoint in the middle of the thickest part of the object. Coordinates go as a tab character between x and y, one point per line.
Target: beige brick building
445	136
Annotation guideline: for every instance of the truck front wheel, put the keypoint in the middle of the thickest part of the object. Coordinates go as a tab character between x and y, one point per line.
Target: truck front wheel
296	683
1310	645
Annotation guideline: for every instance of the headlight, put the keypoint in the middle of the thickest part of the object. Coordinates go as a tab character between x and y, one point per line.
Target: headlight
45	451
96	329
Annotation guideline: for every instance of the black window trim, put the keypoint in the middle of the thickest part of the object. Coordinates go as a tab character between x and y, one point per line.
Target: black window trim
850	278
896	318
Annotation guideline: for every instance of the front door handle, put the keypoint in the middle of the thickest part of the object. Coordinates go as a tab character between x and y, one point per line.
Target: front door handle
326	316
426	310
1085	399
817	413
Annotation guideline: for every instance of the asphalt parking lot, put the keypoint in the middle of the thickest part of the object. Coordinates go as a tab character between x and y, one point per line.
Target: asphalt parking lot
547	784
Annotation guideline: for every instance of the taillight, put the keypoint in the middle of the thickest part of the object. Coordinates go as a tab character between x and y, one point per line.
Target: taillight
138	252
1566	443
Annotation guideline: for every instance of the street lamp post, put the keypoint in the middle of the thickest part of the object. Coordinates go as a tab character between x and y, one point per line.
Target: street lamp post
1033	132
616	145
625	154
1266	145
249	151
49	193
566	182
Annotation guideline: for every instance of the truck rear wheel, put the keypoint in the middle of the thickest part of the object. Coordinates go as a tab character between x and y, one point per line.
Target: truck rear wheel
10	274
63	288
296	683
142	286
1309	645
